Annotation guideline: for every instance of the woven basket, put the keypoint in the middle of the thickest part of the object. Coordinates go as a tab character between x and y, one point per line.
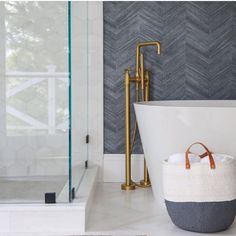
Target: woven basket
201	197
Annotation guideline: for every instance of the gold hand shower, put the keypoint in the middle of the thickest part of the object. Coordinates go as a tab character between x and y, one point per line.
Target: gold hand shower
142	80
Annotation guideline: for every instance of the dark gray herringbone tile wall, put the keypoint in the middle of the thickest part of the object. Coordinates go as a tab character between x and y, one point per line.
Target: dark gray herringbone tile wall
198	58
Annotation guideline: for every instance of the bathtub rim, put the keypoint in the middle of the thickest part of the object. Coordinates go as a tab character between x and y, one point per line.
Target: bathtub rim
189	103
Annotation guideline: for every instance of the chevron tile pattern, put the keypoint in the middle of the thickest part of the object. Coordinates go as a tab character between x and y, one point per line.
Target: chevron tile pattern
198	58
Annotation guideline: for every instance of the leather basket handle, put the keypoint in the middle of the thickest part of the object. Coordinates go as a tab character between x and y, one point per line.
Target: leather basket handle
207	153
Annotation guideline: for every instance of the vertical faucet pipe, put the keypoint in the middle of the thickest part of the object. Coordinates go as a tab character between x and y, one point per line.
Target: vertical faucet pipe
128	185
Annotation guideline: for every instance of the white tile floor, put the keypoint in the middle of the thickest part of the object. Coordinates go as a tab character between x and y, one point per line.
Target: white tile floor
134	212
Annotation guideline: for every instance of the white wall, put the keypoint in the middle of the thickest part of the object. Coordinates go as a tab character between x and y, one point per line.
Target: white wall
95	29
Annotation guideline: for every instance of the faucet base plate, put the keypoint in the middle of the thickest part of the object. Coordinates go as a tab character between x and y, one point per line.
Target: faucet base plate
124	186
145	184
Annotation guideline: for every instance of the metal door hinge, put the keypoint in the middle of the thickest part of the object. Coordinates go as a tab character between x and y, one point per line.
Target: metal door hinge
73	193
87	138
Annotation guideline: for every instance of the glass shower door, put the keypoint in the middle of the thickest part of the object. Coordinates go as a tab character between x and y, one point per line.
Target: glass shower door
34	111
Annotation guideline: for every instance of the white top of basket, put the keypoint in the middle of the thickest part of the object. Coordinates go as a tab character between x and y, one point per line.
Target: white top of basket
179	158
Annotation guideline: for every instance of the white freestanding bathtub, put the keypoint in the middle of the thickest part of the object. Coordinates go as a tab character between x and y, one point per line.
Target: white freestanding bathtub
168	127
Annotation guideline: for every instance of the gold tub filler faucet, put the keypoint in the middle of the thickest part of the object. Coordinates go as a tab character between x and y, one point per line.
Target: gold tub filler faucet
142	85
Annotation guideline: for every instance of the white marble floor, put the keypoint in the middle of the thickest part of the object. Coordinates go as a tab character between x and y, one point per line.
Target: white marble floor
129	213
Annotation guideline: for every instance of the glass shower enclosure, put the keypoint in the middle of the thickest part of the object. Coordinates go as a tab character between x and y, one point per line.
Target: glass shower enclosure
43	101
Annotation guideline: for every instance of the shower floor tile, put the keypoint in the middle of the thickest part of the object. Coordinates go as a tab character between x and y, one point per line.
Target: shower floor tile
132	213
29	189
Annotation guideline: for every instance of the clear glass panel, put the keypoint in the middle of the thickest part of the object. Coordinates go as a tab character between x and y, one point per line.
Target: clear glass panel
79	44
34	101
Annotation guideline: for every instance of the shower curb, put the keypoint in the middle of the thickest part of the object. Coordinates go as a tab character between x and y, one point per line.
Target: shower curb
66	218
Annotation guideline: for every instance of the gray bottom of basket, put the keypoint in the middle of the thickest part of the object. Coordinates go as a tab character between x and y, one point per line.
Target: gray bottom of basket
202	217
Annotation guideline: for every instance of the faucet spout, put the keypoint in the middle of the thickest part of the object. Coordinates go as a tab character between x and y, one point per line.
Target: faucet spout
145	44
